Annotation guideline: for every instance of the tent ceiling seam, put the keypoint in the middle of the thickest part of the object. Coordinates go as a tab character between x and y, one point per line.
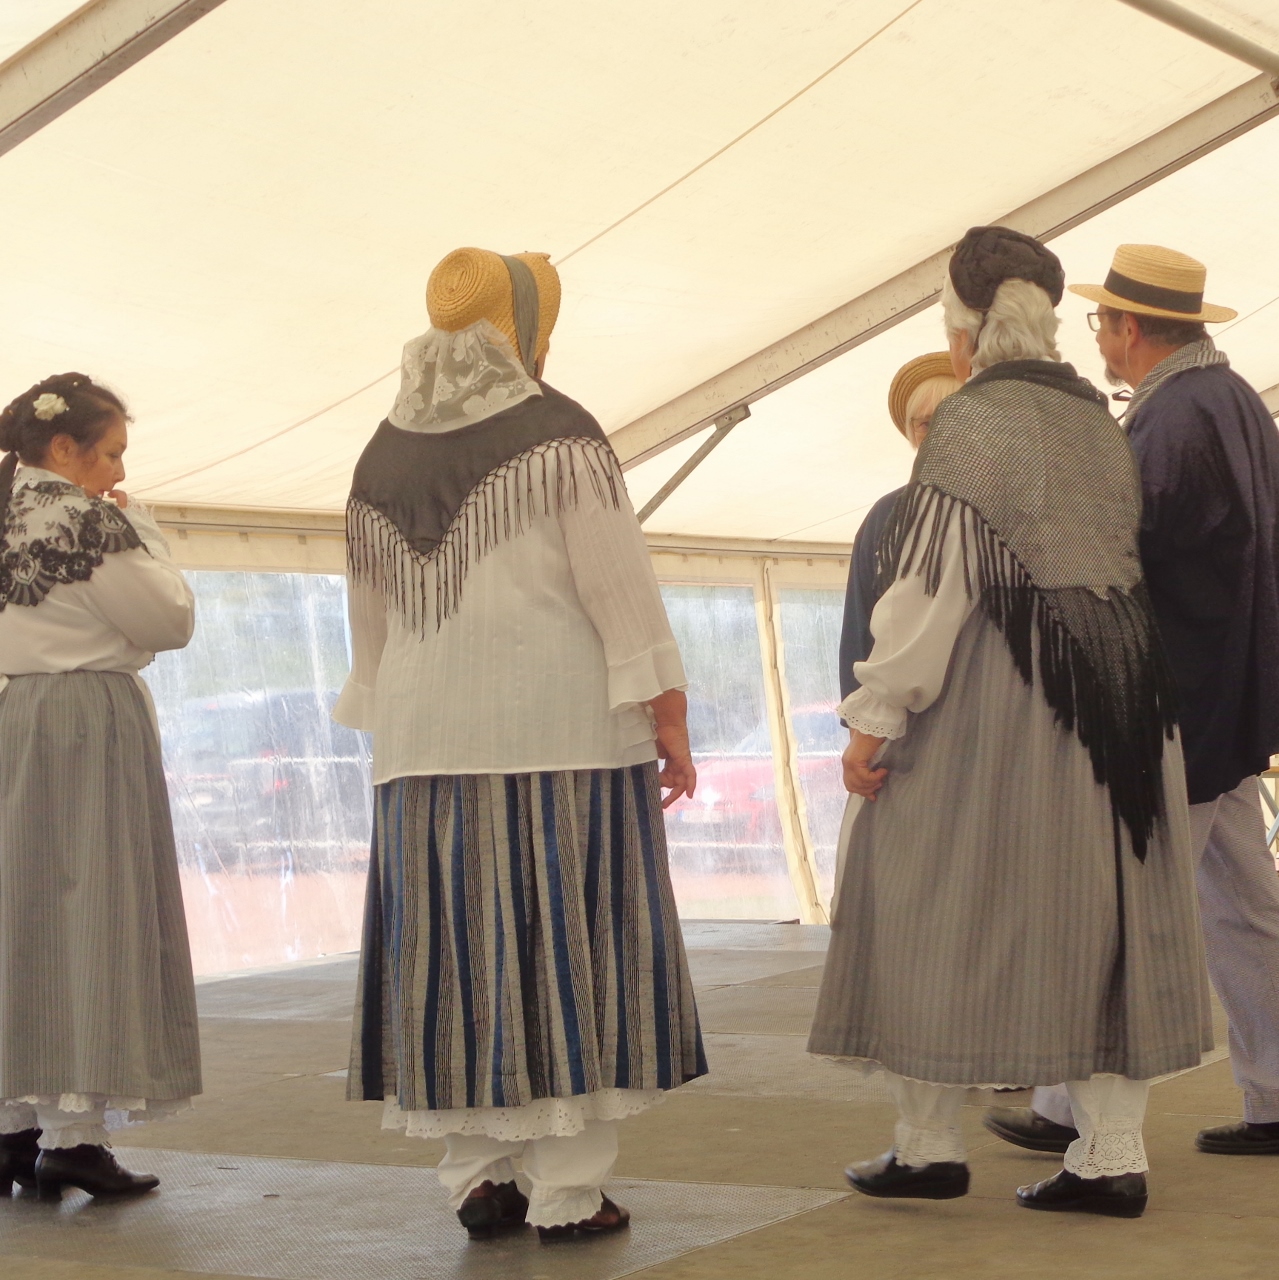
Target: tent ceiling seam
728	146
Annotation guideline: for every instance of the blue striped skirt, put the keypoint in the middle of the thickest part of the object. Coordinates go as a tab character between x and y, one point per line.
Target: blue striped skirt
521	942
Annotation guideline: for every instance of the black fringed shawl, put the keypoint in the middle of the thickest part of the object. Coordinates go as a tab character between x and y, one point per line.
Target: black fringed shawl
425	505
1050	503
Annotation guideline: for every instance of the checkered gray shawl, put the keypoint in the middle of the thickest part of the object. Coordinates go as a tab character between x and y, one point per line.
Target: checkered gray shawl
1051	507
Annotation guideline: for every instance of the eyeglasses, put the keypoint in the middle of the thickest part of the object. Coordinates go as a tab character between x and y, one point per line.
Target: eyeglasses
1094	321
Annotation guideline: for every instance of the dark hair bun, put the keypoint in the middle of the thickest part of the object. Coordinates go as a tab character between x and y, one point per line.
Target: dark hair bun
89	408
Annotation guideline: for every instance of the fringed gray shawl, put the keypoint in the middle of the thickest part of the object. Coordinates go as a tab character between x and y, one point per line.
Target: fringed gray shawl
1051	500
425	505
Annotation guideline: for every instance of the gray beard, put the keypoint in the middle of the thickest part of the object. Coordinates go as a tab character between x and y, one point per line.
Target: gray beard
1114	379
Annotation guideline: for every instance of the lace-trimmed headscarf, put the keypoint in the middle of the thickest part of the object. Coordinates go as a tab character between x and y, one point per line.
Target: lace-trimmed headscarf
1049	504
475	446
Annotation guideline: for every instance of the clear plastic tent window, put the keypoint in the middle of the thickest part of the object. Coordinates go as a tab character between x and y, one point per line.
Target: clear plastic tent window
272	802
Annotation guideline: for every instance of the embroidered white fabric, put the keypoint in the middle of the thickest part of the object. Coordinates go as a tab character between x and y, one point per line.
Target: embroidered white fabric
451	380
565	1206
917	1147
869	1066
1108	1151
545	1118
862	711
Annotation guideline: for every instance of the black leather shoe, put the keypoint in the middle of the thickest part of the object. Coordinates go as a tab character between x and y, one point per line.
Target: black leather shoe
1026	1128
492	1208
1123	1196
18	1152
1240	1139
608	1218
887	1179
92	1169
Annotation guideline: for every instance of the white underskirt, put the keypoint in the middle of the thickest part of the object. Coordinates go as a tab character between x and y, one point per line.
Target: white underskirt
15	1113
867	1067
544	1118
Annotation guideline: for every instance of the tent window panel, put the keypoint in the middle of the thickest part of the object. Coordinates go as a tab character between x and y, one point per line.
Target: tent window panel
811	621
727	856
271	799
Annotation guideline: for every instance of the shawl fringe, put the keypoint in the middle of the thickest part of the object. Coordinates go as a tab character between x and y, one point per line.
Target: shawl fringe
1101	666
543	480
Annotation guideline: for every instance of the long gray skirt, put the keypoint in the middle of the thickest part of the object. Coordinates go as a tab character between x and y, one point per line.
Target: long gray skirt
986	932
521	942
96	995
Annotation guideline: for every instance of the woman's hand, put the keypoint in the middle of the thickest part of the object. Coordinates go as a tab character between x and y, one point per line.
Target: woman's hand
670	716
859	777
119	497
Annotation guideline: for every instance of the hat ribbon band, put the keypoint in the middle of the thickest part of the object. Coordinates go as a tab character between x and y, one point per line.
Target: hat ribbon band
524	303
1153	295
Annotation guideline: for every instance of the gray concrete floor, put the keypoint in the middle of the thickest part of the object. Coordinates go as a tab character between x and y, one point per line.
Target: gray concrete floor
737	1176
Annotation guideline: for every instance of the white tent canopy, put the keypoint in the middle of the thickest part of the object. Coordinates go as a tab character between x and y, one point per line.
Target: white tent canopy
237	230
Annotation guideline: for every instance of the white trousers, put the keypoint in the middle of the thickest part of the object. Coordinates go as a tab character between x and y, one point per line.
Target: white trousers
566	1173
1239	905
1108	1112
58	1128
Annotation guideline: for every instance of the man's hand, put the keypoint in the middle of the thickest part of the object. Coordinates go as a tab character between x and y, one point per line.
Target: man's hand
859	777
670	714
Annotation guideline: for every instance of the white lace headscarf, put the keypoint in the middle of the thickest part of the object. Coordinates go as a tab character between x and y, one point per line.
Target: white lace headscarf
451	380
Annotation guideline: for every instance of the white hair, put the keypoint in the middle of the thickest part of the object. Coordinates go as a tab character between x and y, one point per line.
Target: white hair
1020	325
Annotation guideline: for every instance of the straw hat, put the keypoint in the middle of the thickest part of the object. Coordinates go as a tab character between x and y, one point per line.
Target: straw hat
474	284
1154	281
936	364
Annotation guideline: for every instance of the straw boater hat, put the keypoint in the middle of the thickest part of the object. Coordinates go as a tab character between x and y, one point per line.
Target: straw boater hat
475	284
1154	281
910	377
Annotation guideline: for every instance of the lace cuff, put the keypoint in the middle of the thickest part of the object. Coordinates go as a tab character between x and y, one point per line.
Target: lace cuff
862	711
918	1147
1107	1152
145	527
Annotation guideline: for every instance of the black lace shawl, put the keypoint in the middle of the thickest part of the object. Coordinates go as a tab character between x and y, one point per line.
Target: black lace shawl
54	533
1050	499
425	505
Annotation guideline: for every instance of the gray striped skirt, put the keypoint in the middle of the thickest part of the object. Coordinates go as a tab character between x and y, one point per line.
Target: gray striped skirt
96	995
521	942
986	932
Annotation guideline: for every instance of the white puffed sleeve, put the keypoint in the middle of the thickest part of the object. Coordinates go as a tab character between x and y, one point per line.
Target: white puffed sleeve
367	612
143	595
914	636
618	590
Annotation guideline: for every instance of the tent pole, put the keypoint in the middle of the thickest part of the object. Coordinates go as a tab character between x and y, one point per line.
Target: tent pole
723	425
1210	33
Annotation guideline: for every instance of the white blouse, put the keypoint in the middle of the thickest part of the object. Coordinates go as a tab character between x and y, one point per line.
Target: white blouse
558	640
914	635
135	603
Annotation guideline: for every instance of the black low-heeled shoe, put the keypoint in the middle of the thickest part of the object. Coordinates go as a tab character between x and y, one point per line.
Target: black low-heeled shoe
1243	1138
18	1152
1026	1128
1121	1196
91	1168
888	1180
609	1217
492	1208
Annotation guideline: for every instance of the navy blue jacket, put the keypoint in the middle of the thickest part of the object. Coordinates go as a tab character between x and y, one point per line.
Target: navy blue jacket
855	640
1209	457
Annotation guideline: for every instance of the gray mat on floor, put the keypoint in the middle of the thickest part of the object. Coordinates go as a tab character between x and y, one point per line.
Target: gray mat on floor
307	1220
712	968
758	1010
311	992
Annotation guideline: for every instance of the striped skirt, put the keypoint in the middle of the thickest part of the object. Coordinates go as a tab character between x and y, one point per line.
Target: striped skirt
96	996
986	932
521	943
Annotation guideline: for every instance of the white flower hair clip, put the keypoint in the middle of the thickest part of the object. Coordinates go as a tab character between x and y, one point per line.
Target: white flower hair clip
49	406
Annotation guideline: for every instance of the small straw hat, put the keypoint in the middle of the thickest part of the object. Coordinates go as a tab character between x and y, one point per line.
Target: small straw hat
474	284
1154	281
936	364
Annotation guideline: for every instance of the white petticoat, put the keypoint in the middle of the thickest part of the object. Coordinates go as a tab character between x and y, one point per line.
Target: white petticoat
16	1113
544	1118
